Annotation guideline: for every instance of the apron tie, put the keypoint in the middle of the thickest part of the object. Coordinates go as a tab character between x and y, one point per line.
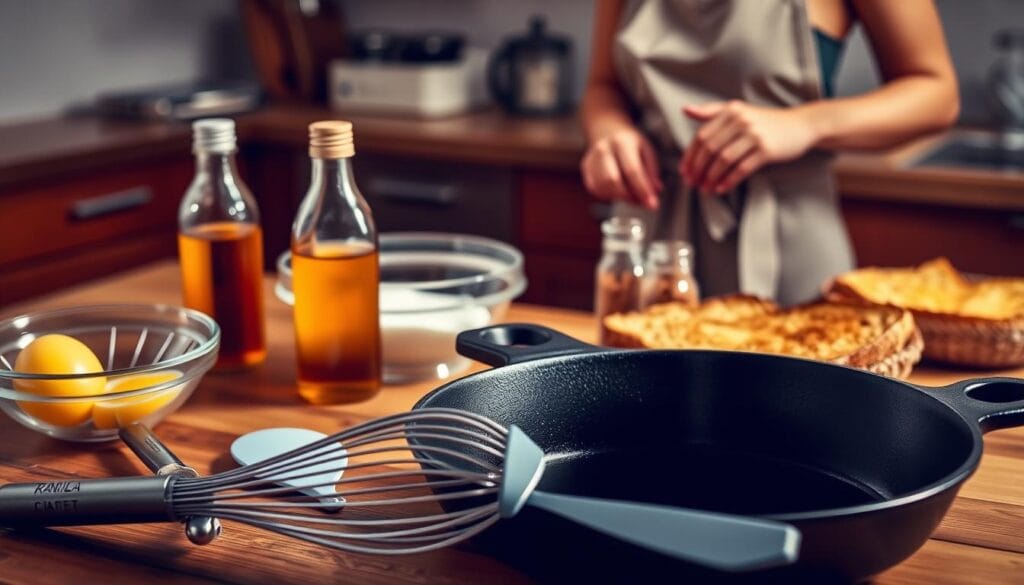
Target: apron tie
757	240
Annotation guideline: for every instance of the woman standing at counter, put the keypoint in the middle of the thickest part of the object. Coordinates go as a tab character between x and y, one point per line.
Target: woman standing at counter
713	120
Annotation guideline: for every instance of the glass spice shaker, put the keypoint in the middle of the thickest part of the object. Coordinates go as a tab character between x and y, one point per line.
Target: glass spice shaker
668	274
619	270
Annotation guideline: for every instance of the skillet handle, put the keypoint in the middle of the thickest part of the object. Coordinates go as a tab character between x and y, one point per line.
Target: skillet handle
994	403
513	343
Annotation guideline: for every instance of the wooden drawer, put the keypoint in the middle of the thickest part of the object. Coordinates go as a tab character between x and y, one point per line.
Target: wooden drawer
558	213
560	234
66	214
423	195
560	280
34	277
984	241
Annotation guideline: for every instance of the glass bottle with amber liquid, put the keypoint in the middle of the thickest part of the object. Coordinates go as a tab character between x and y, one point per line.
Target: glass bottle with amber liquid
335	277
220	245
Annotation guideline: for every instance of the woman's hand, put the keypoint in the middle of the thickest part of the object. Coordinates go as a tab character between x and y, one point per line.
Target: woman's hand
737	138
624	166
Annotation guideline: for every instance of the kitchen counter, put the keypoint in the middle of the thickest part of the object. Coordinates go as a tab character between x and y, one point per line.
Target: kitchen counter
888	176
980	541
31	150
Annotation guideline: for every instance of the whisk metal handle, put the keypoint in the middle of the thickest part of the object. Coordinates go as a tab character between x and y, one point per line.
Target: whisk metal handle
162	461
121	500
151	451
722	541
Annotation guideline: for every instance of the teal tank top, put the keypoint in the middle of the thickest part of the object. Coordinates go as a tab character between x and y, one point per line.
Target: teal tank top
830	49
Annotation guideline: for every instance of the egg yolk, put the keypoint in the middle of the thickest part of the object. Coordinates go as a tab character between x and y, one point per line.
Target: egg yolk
119	412
59	354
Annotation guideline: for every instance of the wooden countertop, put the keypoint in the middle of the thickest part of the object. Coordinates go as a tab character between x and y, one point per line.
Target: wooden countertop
981	540
32	150
886	176
38	150
486	136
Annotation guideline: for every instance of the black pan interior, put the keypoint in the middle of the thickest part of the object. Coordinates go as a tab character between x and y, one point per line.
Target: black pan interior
739	433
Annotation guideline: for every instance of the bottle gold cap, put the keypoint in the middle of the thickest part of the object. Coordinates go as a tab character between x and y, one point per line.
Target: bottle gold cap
331	139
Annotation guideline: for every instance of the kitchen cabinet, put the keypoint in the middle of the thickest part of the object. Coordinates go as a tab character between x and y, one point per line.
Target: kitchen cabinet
405	193
983	241
513	179
78	225
410	194
560	235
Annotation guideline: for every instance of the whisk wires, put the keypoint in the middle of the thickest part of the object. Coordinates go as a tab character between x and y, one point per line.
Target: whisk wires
412	482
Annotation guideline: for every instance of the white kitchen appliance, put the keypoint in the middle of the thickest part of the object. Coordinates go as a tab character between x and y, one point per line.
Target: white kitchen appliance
430	89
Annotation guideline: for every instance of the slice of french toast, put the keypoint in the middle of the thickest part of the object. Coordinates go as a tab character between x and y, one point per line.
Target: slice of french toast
850	334
935	287
965	321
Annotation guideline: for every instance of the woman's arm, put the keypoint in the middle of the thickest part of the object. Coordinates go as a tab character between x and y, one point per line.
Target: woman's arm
920	91
919	96
620	162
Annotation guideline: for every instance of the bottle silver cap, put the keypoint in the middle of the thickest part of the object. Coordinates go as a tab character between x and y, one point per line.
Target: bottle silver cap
213	135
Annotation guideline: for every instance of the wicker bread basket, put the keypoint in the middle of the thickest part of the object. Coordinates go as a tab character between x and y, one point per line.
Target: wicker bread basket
956	339
966	341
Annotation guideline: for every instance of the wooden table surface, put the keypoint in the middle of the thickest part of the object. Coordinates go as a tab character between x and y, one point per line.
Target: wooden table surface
980	541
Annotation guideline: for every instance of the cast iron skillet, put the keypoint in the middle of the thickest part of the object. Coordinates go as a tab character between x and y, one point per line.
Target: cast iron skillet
865	466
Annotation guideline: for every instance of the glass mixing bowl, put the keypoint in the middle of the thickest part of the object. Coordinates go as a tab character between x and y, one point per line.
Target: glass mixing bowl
433	286
153	358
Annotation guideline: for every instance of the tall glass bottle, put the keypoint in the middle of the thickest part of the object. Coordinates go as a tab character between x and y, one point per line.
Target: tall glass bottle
220	245
335	277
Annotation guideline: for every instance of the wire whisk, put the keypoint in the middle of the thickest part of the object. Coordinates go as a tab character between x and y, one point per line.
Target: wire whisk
392	489
412	483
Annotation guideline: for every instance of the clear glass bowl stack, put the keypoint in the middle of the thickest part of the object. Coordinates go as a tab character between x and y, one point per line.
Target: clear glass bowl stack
434	286
172	347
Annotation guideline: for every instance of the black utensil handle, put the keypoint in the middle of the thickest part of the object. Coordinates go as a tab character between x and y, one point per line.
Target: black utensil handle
502	345
994	403
72	502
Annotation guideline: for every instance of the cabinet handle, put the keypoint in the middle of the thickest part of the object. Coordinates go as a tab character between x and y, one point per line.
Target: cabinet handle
439	194
101	205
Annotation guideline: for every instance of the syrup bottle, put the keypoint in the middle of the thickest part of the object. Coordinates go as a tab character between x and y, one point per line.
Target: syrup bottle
220	245
335	277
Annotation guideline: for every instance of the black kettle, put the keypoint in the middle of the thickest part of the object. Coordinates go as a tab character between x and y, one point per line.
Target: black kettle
532	75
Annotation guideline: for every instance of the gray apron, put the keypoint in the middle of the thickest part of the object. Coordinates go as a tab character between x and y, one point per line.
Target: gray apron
780	235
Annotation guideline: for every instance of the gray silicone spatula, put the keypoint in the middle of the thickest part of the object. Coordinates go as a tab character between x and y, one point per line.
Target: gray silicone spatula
723	541
258	446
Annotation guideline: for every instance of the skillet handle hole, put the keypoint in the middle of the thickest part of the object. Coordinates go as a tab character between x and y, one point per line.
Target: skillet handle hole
515	336
997	392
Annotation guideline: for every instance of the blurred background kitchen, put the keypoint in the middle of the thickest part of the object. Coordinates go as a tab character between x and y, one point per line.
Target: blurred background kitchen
94	155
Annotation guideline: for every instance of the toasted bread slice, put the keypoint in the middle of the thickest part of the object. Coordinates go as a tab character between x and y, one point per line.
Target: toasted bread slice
901	363
997	299
934	287
850	334
969	322
657	325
